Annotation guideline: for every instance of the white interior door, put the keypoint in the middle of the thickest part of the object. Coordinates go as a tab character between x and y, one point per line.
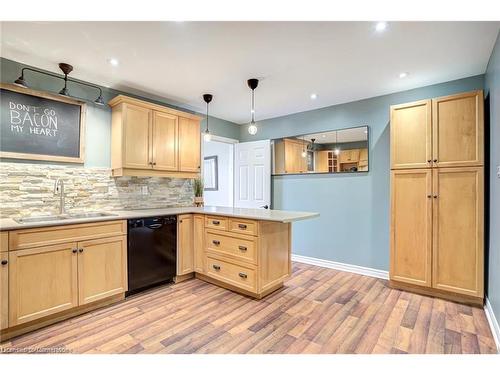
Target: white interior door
252	174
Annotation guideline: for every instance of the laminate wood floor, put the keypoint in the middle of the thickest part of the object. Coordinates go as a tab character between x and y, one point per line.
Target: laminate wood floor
319	310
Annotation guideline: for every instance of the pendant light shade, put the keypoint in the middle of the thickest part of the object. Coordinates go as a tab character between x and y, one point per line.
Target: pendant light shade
206	134
336	151
253	83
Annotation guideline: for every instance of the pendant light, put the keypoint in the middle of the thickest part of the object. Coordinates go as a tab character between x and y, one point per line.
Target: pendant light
304	153
206	135
253	83
336	151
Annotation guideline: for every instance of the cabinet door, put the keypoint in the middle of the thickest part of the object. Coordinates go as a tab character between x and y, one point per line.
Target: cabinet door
102	268
136	137
4	291
458	230
185	253
164	141
189	145
42	281
458	130
411	226
198	244
411	135
292	162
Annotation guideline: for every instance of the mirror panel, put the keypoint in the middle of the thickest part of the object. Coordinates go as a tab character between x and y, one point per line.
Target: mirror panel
334	151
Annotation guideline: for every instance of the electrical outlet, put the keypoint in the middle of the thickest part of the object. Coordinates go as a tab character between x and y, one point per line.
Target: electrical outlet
144	190
498	171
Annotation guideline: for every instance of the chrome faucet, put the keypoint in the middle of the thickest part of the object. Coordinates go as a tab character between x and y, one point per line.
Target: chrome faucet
59	189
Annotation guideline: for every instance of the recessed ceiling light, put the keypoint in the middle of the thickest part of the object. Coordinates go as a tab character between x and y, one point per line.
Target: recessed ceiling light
113	62
381	26
314	96
403	75
324	135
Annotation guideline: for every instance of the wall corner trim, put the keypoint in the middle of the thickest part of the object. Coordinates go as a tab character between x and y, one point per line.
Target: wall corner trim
493	322
366	271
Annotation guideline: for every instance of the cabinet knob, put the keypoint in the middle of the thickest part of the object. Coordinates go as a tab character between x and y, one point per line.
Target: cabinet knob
242	275
429	196
4	262
215	222
435	160
435	196
216	267
215	242
80	250
154	163
242	248
428	161
242	226
74	251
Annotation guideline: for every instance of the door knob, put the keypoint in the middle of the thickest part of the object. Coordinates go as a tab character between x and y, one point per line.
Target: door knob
266	207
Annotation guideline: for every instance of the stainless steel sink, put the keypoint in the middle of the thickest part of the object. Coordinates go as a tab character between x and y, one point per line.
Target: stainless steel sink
41	219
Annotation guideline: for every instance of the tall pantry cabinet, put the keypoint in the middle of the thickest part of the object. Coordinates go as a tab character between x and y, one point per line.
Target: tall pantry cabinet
437	197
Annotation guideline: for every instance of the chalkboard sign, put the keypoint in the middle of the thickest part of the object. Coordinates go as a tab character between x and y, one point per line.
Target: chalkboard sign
40	126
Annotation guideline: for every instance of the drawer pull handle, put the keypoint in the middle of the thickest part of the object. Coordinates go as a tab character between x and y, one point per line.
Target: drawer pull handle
242	226
4	262
215	242
216	267
243	275
215	222
242	248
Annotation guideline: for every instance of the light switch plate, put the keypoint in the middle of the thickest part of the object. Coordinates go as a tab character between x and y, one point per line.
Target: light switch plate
498	171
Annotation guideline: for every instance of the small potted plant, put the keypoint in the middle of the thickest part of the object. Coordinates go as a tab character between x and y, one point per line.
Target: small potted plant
198	192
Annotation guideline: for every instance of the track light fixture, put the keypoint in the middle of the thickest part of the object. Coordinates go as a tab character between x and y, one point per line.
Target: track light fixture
66	69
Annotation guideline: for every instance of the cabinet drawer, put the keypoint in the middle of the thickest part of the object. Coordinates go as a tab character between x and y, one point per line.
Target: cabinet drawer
236	247
4	241
243	226
35	237
216	222
232	273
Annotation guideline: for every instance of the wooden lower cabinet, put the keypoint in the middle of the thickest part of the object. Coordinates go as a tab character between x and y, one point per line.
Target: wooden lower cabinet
42	281
185	251
411	226
198	242
458	230
248	256
102	268
4	290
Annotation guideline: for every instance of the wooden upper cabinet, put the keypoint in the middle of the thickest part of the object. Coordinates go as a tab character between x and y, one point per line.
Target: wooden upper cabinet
136	137
411	226
411	135
349	156
102	268
42	281
189	145
152	140
458	230
4	290
164	141
185	251
458	130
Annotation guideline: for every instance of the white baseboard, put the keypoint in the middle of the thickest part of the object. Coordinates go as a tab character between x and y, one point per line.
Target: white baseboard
342	266
492	320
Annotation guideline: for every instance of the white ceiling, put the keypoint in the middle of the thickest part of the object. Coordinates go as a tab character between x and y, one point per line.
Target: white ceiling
340	61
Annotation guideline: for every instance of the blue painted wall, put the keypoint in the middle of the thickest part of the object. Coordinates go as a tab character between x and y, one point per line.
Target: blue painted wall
98	119
354	223
492	91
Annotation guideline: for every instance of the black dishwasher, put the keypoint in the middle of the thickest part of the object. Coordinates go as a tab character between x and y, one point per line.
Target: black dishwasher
152	252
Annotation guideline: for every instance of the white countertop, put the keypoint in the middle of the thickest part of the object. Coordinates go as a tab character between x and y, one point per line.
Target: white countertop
244	213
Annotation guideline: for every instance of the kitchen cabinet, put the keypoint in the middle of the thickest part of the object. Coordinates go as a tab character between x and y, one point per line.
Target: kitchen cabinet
458	130
42	281
411	135
164	142
152	140
349	156
458	230
411	226
321	160
363	160
57	270
185	250
4	290
198	242
189	145
450	185
288	156
102	268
